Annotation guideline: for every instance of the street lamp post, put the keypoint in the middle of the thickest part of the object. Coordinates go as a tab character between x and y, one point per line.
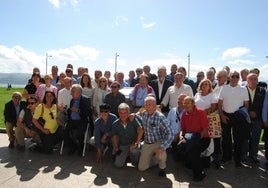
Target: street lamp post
47	56
189	61
115	63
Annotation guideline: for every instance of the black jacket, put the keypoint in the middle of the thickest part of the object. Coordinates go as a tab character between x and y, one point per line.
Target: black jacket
10	111
257	103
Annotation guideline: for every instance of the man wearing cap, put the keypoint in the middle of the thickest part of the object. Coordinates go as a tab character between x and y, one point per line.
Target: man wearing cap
103	130
11	114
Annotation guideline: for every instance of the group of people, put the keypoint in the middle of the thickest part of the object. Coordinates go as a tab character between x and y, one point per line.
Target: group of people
164	112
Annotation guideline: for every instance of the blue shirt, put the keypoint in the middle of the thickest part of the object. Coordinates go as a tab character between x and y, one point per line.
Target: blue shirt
174	120
100	128
156	128
76	115
140	95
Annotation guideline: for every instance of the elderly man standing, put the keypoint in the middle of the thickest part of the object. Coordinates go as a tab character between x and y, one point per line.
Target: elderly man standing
126	137
158	136
256	98
174	91
140	91
11	114
231	98
161	85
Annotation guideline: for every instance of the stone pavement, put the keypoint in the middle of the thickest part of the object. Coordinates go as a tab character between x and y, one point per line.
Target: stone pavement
32	169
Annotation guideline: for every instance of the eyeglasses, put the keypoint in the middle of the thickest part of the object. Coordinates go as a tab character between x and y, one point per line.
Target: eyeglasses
31	103
235	76
104	111
114	87
68	71
51	115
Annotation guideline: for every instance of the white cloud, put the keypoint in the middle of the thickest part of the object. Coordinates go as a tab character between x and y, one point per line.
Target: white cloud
120	19
19	60
147	25
235	52
55	3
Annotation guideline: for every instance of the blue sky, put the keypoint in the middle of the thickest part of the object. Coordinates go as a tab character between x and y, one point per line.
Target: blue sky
89	33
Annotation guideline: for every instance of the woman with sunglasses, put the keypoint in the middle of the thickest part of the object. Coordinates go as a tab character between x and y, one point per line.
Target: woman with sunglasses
48	111
99	95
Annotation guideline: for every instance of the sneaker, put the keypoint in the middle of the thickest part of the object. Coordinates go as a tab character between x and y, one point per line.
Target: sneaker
162	173
200	177
11	145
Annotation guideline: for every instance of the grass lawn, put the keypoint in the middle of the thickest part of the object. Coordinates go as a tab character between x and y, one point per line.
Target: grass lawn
5	96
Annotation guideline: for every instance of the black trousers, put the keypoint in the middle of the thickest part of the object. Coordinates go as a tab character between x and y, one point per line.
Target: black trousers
74	134
235	130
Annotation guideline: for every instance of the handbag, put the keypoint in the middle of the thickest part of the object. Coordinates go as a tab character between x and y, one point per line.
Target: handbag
214	125
41	120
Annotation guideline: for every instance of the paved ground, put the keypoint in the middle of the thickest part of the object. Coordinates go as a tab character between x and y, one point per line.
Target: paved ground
32	169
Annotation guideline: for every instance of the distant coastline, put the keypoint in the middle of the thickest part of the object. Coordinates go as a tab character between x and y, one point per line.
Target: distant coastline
13	85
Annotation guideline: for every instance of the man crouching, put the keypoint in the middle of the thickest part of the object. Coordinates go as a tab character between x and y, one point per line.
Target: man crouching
126	137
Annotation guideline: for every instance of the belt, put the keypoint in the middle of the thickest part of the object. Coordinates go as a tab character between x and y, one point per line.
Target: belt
149	143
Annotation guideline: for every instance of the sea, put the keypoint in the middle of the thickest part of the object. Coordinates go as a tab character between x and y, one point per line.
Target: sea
12	85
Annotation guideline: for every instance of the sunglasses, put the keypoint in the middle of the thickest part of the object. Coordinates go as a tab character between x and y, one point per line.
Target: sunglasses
69	71
16	97
51	115
104	111
114	87
31	103
235	76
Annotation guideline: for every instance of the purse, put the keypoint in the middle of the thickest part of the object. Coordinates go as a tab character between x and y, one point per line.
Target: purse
41	120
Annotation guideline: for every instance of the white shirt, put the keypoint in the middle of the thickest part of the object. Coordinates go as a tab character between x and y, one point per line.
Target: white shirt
233	97
64	97
173	92
204	102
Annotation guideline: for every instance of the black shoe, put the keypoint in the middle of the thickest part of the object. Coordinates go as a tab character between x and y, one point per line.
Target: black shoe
71	151
200	177
225	161
162	173
11	145
217	164
238	165
21	147
255	160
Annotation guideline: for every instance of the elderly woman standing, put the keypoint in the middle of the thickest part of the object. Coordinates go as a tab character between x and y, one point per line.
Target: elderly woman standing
99	94
48	111
40	92
206	99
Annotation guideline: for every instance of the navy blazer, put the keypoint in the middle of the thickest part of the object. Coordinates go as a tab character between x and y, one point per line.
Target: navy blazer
85	110
10	111
166	85
257	103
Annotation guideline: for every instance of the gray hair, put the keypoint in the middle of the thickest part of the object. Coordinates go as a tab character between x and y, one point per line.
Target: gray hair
77	87
124	106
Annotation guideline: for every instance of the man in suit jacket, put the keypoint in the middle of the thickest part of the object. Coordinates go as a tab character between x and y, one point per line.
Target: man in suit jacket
11	114
80	114
160	86
256	98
